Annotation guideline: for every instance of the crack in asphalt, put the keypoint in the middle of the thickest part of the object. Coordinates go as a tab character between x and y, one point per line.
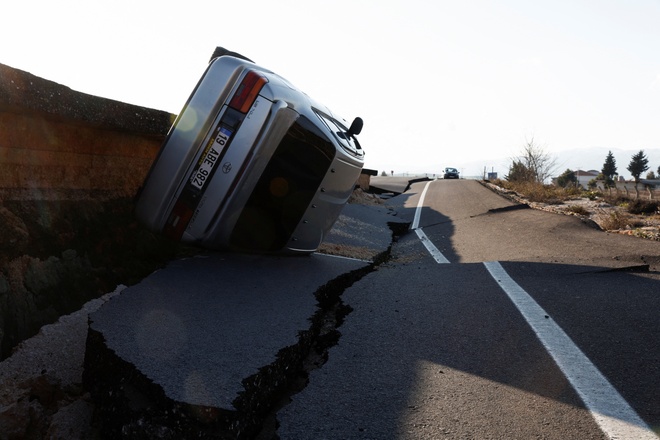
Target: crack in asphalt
326	320
517	207
638	268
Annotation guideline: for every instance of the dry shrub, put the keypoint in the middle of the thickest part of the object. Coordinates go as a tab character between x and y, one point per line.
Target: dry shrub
616	200
591	195
639	206
537	192
578	209
572	191
614	220
617	219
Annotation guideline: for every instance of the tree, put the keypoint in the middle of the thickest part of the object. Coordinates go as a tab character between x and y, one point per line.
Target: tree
567	178
609	170
534	165
650	175
518	172
638	164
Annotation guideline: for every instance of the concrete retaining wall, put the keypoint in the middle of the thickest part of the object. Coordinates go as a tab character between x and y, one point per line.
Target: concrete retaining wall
53	138
36	152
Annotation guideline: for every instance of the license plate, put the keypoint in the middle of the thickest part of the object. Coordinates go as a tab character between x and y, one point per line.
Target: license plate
203	172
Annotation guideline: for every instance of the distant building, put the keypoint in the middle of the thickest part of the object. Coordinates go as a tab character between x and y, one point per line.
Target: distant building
584	177
650	183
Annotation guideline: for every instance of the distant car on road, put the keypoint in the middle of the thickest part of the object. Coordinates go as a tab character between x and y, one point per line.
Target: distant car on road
251	164
450	173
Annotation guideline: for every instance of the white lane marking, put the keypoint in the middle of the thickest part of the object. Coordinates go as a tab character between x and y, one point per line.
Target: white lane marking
420	204
434	251
612	413
428	244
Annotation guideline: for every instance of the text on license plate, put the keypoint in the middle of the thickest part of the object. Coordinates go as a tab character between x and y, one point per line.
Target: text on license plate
203	172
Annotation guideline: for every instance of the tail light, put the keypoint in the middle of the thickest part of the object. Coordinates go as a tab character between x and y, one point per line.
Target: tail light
184	208
178	220
247	91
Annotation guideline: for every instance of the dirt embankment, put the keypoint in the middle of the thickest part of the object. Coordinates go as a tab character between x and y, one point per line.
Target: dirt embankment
56	255
70	164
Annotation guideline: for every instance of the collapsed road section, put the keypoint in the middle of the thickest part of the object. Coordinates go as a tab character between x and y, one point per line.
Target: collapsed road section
205	347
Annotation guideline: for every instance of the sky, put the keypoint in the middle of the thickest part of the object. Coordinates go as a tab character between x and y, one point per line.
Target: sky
438	83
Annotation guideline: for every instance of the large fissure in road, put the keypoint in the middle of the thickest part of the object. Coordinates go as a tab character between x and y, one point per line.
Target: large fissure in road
325	327
127	401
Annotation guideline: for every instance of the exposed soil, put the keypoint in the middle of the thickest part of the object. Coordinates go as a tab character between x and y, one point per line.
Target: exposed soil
55	255
59	256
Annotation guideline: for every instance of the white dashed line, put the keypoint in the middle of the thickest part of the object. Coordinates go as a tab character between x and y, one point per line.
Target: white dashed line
428	244
612	413
434	251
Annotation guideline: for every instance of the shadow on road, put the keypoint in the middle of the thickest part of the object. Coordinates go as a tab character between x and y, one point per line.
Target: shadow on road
443	228
449	336
469	345
432	346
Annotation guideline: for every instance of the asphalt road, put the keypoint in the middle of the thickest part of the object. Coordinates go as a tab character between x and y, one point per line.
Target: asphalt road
492	321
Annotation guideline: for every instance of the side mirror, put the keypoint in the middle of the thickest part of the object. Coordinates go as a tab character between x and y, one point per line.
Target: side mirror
356	127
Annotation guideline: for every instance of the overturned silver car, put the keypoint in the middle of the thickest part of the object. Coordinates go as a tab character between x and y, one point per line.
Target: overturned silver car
251	164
